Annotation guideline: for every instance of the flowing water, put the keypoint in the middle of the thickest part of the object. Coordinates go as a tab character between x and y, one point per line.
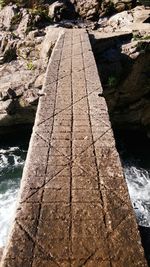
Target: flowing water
138	180
134	150
13	150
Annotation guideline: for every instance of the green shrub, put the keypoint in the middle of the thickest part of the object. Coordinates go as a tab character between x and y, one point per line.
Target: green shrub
30	65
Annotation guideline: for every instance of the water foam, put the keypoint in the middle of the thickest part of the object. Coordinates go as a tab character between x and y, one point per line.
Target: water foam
7	210
138	181
11	164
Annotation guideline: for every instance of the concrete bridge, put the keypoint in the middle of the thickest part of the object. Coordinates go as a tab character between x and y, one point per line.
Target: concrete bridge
74	208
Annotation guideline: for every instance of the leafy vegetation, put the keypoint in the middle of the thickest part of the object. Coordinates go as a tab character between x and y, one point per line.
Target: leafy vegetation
30	65
137	37
41	11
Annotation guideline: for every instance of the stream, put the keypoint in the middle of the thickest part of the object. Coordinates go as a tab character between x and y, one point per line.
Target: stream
134	150
13	150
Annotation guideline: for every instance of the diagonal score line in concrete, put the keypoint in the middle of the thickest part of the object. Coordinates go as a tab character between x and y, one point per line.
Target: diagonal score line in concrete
64	167
101	188
110	233
48	255
33	239
78	156
59	79
69	106
100	259
123	201
72	161
108	219
87	259
100	120
44	174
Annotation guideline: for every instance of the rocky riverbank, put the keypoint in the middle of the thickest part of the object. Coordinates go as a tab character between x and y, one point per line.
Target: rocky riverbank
123	61
120	43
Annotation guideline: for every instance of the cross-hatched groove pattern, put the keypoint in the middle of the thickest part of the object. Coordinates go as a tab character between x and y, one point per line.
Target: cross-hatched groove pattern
74	207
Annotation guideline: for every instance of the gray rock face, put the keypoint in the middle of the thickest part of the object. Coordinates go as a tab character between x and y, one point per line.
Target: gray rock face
62	9
23	25
126	21
7	48
55	10
52	35
91	9
22	78
122	19
6	15
132	105
124	71
87	9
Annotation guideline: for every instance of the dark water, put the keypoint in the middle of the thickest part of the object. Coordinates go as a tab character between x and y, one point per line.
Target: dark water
13	150
134	149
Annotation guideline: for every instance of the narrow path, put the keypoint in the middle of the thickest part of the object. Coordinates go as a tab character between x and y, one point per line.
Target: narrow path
74	209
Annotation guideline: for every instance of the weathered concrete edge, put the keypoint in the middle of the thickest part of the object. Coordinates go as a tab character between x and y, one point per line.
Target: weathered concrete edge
28	159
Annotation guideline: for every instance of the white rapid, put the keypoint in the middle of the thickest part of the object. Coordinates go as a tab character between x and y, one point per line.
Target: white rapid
11	164
138	181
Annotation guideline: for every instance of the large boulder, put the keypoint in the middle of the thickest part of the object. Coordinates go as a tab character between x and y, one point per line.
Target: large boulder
50	39
24	23
87	9
55	10
60	10
7	47
121	20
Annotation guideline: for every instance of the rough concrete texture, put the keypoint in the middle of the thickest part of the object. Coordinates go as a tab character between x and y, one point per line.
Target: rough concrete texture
74	208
